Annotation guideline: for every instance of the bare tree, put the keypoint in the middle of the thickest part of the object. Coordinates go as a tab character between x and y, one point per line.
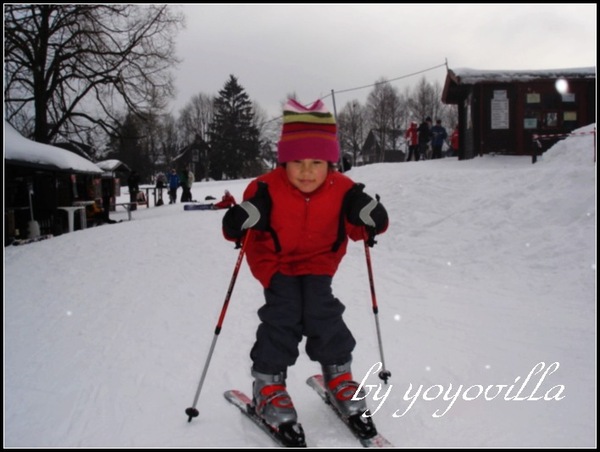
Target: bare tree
397	117
447	113
383	106
170	142
423	101
352	128
152	144
268	134
194	123
72	67
195	118
426	100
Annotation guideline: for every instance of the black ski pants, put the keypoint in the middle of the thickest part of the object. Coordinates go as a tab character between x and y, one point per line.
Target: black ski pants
298	306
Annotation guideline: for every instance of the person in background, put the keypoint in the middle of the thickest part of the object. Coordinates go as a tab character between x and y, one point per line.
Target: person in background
190	182
438	138
141	198
108	193
95	214
185	189
174	183
412	138
454	142
424	137
226	201
160	185
300	217
134	187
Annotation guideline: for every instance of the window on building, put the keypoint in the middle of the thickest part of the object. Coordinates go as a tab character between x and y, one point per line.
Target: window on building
551	119
569	119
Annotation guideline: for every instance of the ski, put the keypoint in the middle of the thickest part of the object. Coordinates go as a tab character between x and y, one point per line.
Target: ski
361	427
286	436
198	207
17	242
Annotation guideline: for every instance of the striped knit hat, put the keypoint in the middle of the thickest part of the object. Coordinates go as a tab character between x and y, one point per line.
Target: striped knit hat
307	133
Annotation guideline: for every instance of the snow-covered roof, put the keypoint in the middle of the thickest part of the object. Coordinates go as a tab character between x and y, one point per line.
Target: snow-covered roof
457	80
22	151
113	165
470	76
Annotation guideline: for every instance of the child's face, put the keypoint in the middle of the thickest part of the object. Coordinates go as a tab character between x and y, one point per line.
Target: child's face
307	175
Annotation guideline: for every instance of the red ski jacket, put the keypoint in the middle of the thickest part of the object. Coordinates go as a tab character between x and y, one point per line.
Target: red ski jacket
412	134
226	201
306	226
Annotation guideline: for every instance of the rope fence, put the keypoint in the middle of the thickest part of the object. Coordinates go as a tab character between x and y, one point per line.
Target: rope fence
537	137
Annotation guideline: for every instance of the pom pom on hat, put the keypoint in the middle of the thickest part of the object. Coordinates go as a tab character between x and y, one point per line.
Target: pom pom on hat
307	133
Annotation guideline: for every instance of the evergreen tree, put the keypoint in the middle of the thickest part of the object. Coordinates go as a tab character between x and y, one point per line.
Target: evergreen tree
234	137
130	145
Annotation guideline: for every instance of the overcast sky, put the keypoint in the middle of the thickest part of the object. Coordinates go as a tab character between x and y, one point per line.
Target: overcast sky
311	50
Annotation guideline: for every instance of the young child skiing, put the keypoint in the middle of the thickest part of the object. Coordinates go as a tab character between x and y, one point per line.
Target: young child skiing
299	217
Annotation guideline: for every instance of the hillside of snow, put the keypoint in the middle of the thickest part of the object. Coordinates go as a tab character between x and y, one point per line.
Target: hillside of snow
486	286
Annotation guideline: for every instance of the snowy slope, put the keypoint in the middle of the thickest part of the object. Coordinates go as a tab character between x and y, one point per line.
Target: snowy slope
486	274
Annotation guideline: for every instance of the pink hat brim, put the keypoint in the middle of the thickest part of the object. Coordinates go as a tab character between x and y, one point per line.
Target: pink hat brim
308	148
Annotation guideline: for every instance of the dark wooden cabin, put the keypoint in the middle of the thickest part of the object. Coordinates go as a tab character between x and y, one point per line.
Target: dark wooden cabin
500	111
38	179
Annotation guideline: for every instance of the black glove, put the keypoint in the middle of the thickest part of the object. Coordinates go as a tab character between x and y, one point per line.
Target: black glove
362	210
254	213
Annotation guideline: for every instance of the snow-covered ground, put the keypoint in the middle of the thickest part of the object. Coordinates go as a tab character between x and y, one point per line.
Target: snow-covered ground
486	286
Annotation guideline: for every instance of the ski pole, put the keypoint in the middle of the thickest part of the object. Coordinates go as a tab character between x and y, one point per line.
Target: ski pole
192	412
384	374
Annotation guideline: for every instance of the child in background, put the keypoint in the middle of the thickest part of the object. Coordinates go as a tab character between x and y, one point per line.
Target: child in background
226	201
301	215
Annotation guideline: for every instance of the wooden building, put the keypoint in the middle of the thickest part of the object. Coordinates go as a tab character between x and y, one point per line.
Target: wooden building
500	111
373	151
39	178
109	186
194	157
